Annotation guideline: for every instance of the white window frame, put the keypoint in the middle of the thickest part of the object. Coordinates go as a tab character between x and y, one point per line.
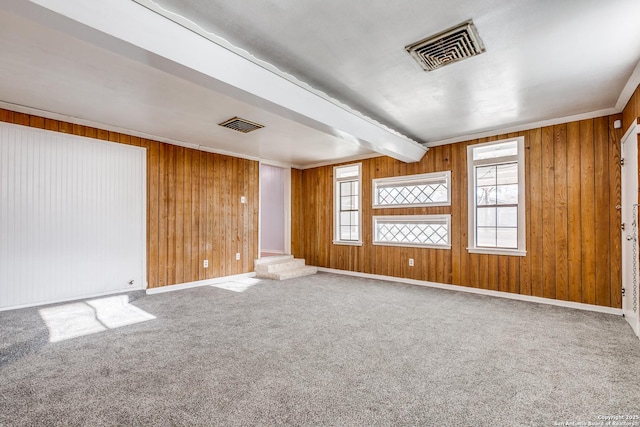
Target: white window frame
336	204
413	219
407	180
471	174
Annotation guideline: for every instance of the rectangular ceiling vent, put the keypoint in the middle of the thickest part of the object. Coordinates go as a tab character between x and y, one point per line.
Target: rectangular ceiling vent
447	47
241	125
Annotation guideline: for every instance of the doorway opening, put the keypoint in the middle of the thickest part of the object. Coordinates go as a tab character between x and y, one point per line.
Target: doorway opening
274	210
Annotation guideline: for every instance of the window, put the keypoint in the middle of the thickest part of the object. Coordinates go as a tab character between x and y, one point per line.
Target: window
425	231
347	202
429	189
496	197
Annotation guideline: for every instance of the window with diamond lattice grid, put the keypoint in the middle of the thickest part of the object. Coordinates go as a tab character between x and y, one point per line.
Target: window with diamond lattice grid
412	230
430	189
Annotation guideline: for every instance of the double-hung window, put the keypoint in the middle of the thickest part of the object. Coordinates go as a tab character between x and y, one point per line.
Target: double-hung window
348	204
496	197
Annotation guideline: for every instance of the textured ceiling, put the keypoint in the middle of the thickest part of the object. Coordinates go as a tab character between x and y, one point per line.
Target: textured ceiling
544	59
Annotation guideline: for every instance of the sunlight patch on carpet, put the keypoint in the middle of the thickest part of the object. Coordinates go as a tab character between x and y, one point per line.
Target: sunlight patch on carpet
89	317
239	285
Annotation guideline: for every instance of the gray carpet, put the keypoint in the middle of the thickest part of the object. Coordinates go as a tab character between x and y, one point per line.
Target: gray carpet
324	350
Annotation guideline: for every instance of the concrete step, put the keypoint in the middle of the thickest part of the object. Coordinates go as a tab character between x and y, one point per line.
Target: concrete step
271	259
289	274
281	265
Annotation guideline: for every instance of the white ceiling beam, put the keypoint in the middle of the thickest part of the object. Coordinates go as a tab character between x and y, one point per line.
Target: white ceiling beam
133	31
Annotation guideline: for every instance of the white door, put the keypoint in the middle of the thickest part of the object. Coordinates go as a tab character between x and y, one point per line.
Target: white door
630	244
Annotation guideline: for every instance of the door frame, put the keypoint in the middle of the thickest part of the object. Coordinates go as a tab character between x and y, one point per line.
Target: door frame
629	207
287	204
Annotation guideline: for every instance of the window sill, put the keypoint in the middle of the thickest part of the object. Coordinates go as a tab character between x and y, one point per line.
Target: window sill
414	205
409	245
499	251
346	243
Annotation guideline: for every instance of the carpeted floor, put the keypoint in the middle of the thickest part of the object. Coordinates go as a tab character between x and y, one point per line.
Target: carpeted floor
323	350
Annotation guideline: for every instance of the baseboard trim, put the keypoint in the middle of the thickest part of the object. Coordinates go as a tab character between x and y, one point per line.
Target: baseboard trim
72	299
207	282
527	298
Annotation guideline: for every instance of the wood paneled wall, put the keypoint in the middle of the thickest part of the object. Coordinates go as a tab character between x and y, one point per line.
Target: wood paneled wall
193	206
573	228
631	111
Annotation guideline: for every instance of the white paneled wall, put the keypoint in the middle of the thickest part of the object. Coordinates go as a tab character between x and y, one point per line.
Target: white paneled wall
72	217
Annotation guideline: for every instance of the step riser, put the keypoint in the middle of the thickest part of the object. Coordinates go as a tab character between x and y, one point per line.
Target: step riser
290	274
272	259
281	266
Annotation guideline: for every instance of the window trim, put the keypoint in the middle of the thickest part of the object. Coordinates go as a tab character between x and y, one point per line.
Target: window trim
471	180
336	205
412	218
411	179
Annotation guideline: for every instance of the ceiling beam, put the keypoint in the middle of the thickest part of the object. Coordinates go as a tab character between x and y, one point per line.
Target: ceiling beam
136	32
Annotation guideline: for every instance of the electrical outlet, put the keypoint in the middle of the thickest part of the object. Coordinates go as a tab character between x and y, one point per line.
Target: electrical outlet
243	199
410	262
238	256
205	263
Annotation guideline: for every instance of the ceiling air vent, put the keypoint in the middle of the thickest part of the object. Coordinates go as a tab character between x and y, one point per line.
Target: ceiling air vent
241	125
447	47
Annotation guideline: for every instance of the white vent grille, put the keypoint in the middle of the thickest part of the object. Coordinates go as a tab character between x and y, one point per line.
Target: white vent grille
447	47
241	125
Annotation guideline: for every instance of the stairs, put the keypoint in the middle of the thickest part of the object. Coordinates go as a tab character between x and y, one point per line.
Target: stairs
282	268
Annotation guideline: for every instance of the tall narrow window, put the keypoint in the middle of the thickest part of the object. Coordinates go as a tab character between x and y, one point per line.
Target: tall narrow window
347	201
496	197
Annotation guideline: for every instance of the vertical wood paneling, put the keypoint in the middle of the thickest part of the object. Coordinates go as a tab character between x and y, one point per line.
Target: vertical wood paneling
172	196
235	203
631	111
183	204
569	170
587	211
561	212
163	216
214	244
179	216
574	224
548	217
187	237
153	213
244	225
601	182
